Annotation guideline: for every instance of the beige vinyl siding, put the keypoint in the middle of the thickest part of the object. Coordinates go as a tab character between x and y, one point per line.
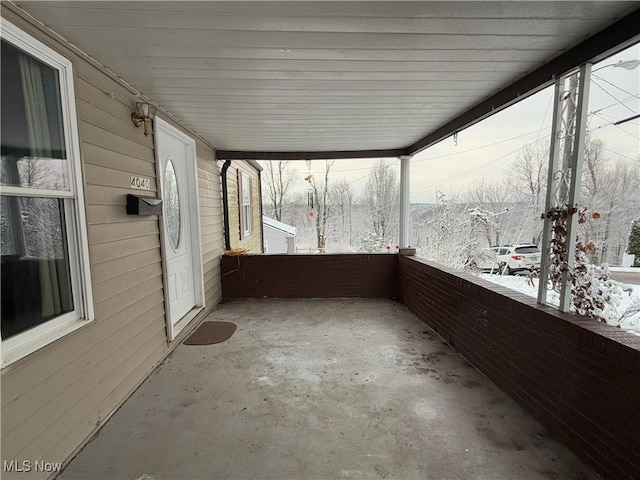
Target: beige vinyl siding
212	238
252	242
54	399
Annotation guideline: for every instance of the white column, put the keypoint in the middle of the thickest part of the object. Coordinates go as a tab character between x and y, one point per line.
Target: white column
565	174
577	159
552	188
404	200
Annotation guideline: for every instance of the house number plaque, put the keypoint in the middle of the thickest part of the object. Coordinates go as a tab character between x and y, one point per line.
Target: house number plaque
140	183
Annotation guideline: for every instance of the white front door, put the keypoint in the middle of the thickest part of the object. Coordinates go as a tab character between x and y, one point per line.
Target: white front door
176	160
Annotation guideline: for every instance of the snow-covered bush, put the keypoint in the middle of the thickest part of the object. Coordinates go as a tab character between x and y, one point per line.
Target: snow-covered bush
451	237
591	288
371	242
593	292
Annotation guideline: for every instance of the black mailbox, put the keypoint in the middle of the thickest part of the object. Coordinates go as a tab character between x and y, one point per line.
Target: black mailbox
143	205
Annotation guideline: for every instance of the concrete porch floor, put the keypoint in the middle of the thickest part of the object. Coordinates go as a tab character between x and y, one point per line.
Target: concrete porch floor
322	389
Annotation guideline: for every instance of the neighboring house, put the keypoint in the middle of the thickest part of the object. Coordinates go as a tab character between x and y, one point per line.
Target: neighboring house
278	237
243	209
93	299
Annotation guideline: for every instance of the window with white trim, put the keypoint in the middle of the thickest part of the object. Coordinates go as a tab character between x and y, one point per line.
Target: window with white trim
246	209
46	288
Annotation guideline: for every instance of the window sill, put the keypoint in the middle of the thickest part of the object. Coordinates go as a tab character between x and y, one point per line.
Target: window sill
30	341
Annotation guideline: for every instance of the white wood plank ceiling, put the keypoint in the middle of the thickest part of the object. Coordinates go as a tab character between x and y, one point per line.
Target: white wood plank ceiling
323	76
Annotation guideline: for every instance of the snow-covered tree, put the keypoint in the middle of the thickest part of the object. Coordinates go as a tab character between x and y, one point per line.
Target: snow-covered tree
633	247
321	204
611	195
594	163
491	198
381	197
279	177
527	177
451	235
343	198
370	241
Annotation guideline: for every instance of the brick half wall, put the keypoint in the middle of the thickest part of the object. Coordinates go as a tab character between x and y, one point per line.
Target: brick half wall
310	276
578	377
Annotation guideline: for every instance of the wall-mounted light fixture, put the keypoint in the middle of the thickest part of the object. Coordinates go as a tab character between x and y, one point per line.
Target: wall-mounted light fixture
143	115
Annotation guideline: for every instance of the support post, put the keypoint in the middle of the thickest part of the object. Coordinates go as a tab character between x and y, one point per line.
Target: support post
552	188
577	160
564	176
404	200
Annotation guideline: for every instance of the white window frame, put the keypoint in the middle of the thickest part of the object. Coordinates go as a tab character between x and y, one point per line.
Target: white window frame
27	342
242	177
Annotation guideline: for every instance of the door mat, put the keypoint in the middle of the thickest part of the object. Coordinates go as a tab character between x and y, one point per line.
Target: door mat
211	332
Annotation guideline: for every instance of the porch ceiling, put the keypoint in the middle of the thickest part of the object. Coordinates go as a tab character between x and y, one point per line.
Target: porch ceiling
336	79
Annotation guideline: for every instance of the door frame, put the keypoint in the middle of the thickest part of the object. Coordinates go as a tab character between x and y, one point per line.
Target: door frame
162	127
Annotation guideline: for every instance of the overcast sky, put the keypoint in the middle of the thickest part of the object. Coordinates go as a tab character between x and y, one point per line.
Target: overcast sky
485	149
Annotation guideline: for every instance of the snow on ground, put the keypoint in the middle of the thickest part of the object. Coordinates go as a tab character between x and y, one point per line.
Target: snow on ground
625	269
629	299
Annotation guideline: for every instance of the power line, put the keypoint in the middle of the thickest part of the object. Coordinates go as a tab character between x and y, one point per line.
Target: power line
621	154
624	100
612	124
478	148
349	169
613	96
525	219
625	131
439	156
539	131
471	170
613	85
628	119
395	162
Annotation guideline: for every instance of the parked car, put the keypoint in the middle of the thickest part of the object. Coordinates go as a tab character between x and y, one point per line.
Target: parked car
510	259
490	261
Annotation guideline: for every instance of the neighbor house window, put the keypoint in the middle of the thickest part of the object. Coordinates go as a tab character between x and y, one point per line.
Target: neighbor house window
46	292
246	218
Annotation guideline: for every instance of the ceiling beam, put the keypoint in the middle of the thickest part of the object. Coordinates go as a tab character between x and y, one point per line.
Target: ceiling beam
617	36
320	155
